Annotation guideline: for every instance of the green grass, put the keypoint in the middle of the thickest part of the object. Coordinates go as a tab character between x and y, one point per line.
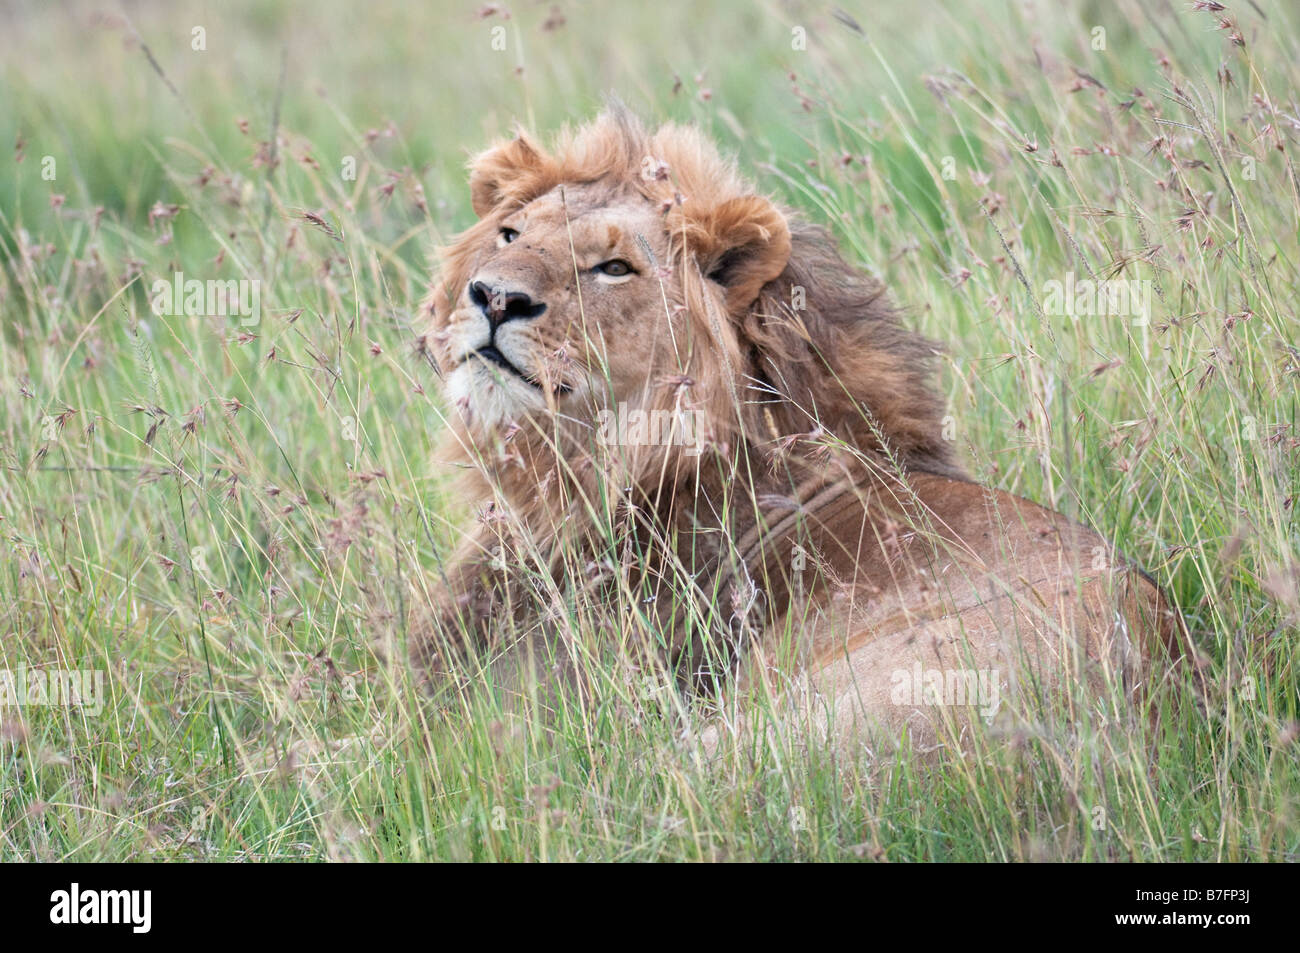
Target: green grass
230	521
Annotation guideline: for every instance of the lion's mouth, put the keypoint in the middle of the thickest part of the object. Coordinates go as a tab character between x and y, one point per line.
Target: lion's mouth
490	354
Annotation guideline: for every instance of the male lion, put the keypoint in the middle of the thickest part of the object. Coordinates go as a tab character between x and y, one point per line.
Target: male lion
672	395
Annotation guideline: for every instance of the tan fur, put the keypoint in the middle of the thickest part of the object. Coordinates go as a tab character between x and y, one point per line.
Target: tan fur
818	520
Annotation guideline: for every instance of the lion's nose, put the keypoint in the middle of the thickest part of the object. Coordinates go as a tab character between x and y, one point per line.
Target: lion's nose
502	304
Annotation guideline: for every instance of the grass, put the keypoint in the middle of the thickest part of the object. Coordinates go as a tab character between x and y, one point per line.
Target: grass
229	520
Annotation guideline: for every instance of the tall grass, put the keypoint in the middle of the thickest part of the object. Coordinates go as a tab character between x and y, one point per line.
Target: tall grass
230	520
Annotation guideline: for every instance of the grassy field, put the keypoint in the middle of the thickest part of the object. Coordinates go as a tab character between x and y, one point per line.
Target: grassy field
227	517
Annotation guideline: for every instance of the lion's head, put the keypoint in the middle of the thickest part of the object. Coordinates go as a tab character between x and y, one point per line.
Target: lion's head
630	282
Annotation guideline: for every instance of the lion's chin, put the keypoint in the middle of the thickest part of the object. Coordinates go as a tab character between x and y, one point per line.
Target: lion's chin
490	398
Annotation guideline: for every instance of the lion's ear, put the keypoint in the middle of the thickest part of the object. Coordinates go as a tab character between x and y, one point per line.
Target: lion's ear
744	243
493	173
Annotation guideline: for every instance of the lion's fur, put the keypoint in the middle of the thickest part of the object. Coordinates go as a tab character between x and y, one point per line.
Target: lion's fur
814	392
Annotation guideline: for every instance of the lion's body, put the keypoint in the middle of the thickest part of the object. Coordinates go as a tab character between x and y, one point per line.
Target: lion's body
919	587
794	509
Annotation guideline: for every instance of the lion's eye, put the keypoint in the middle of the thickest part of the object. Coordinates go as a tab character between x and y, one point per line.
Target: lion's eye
614	268
506	236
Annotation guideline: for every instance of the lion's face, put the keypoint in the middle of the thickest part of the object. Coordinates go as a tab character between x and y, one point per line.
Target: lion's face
564	307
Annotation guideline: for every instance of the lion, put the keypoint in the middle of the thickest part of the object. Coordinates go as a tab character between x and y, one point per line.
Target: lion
664	385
